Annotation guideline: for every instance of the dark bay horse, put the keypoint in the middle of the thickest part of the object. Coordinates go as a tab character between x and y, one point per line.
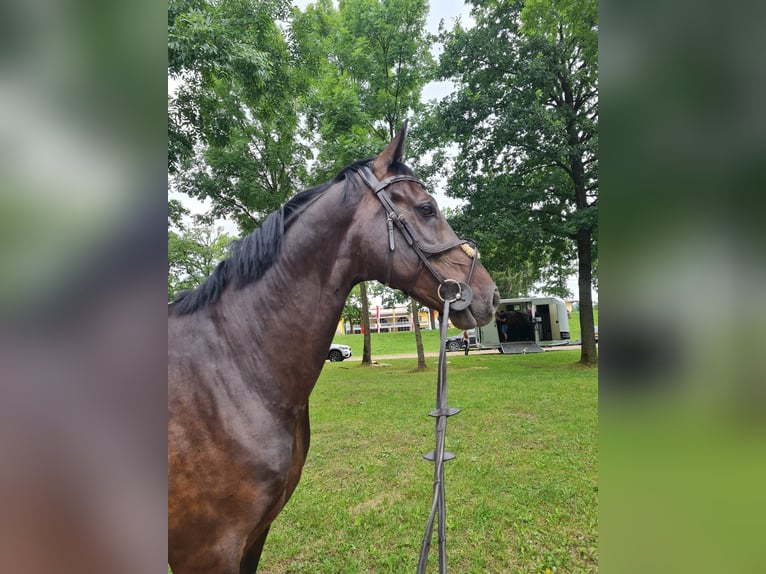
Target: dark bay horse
246	347
520	326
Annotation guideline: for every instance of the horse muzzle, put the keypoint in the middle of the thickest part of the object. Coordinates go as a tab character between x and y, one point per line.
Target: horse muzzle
477	313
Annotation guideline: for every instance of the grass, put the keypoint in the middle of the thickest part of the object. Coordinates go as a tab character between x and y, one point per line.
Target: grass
574	323
521	495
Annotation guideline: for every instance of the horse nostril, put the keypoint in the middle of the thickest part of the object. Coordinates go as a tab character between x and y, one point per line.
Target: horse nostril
496	298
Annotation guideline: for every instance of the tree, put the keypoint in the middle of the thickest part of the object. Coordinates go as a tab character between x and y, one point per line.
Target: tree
176	214
414	308
367	348
193	253
524	117
352	311
233	125
367	63
390	298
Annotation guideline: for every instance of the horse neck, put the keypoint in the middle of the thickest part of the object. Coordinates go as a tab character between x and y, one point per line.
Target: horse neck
291	314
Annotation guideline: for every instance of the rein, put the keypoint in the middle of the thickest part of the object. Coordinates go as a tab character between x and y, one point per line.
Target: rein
439	456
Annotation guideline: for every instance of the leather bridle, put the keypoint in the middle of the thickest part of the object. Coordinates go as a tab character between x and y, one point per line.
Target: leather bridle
455	295
458	293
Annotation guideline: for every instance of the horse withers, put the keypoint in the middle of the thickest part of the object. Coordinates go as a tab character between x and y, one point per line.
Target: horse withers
238	395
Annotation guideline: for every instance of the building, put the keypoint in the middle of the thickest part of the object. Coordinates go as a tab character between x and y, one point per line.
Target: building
389	320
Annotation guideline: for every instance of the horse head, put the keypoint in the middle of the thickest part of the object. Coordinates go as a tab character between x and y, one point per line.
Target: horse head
414	248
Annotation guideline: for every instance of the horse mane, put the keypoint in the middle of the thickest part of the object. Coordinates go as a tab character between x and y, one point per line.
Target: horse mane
250	257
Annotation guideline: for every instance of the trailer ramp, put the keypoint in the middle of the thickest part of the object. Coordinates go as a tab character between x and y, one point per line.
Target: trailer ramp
520	348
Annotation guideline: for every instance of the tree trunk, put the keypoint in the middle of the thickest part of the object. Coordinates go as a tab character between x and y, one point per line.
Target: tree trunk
366	353
588	352
418	337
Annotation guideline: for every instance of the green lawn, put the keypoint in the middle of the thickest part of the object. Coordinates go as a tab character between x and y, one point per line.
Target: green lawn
521	495
574	323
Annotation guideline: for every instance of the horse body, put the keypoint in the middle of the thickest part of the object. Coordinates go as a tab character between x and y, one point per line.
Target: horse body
520	326
241	375
243	360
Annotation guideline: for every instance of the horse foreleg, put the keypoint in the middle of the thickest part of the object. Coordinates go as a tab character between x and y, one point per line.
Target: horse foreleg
249	563
252	556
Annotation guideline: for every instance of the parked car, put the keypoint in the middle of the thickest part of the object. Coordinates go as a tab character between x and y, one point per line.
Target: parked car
338	352
456	343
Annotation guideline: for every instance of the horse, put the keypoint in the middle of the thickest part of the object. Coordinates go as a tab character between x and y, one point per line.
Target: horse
520	326
246	347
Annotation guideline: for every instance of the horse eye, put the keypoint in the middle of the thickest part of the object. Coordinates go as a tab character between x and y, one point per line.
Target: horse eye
427	210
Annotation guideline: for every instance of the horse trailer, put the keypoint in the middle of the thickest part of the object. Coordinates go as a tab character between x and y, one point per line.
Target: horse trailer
526	325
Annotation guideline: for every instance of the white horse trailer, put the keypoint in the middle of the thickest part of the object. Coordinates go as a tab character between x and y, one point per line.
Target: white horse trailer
531	323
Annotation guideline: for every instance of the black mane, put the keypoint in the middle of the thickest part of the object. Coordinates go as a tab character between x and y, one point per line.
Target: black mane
250	257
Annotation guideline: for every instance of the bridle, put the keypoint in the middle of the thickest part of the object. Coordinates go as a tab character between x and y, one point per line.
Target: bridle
454	294
458	293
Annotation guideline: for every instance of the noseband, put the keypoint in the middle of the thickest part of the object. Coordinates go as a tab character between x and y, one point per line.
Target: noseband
458	293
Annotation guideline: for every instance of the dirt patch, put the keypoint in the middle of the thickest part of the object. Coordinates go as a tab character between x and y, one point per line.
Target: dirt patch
377	501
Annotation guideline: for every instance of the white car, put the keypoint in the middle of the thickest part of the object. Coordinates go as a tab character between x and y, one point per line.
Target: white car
338	352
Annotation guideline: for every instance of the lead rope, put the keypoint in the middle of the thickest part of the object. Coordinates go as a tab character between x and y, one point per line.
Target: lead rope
439	456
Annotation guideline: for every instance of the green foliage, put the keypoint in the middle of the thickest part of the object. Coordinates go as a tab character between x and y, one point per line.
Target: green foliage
525	120
211	43
389	297
232	121
365	64
176	213
193	253
352	311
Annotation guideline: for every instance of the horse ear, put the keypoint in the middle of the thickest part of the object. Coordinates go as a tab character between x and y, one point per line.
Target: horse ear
392	154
